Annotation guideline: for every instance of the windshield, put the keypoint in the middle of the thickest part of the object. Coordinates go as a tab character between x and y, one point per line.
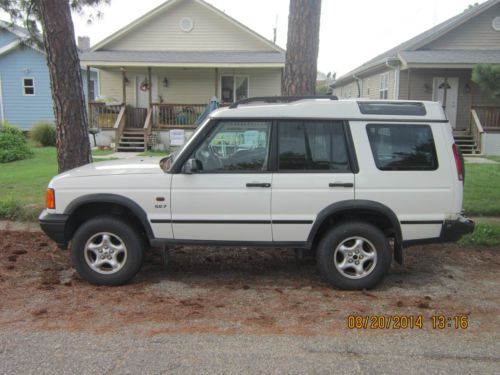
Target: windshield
166	163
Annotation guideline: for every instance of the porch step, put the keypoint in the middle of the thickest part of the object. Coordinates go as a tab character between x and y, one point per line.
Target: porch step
466	143
130	149
132	140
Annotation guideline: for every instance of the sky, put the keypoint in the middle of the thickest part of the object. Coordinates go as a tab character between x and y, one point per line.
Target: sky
351	31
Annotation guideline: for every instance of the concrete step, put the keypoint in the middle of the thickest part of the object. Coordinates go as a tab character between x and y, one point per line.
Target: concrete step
130	149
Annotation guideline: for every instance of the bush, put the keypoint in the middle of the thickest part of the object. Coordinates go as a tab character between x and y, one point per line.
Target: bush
13	144
44	133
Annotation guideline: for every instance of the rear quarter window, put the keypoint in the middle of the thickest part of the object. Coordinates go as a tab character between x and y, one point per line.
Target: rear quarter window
402	147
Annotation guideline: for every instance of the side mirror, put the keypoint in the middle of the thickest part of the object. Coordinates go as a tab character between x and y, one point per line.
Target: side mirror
192	166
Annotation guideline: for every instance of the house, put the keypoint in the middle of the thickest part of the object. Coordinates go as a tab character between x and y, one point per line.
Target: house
25	95
437	65
158	73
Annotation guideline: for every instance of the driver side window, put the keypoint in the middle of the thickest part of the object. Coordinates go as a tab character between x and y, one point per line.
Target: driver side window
235	146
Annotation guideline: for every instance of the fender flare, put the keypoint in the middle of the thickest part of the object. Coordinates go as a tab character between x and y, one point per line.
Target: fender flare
356	204
115	199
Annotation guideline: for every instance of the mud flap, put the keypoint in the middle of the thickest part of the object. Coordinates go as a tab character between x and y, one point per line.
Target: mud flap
398	252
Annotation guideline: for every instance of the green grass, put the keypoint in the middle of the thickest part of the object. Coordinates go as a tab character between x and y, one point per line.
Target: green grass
23	184
494	158
155	153
485	234
482	189
102	152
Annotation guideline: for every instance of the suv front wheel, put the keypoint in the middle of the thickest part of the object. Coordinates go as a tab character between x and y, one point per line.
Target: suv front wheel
354	255
107	250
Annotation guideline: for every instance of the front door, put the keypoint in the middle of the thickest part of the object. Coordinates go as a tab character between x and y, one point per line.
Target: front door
450	86
142	92
229	198
313	172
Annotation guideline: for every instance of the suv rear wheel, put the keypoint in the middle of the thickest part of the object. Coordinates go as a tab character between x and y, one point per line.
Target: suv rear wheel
354	255
107	251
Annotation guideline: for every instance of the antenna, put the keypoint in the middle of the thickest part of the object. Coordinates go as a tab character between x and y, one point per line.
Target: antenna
275	29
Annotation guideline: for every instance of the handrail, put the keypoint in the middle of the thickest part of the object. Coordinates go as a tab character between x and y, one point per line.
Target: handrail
147	127
477	130
120	125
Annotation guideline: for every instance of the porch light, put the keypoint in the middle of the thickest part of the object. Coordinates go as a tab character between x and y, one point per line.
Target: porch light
165	82
467	88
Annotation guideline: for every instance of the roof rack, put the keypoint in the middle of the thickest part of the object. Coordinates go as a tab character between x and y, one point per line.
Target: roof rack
279	99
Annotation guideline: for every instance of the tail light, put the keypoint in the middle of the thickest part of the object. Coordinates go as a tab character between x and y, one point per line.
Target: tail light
458	163
50	199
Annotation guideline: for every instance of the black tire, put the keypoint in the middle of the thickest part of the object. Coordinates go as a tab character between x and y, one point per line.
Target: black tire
118	229
375	270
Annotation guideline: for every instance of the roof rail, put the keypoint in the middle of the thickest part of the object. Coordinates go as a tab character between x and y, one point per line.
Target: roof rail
279	99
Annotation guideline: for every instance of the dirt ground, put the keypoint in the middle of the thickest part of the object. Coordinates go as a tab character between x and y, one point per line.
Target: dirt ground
239	291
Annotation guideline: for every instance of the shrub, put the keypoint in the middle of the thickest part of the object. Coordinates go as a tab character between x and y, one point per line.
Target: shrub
44	133
13	144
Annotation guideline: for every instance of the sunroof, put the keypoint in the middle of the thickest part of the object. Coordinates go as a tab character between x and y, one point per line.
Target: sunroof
392	108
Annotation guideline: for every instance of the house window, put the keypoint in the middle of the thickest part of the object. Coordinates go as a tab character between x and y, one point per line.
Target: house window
234	88
384	85
28	86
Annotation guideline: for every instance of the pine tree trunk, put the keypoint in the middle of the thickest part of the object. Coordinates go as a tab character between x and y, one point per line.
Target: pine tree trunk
302	48
73	146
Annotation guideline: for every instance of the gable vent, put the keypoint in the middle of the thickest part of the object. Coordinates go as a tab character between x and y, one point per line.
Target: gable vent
186	24
496	24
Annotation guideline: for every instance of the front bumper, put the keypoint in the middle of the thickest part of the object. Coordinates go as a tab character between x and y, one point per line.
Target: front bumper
453	230
54	226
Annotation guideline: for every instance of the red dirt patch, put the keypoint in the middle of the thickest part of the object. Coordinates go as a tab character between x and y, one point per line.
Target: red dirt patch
249	290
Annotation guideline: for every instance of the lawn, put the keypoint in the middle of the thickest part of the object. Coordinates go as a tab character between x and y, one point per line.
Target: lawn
155	153
494	158
24	183
485	234
482	189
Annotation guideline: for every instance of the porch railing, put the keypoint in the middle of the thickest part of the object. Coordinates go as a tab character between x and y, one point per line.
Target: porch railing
488	116
102	116
176	115
477	130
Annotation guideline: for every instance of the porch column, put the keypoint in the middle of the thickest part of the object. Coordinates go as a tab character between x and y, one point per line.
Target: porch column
150	92
89	100
445	90
124	85
217	83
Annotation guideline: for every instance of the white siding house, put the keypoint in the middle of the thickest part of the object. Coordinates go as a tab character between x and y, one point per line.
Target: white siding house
163	68
437	65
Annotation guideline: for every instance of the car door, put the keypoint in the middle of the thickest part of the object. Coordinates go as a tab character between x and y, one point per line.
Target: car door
313	171
229	197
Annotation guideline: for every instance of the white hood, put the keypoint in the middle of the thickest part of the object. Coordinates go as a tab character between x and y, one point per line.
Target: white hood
138	165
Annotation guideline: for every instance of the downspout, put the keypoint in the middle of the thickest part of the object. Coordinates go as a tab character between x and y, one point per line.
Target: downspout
357	84
2	114
397	71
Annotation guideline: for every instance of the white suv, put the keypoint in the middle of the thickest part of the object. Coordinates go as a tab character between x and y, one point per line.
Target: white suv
353	181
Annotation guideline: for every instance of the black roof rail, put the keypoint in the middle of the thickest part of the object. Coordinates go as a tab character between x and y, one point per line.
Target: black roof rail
279	99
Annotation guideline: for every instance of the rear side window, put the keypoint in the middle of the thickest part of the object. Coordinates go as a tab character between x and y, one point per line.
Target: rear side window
312	146
402	147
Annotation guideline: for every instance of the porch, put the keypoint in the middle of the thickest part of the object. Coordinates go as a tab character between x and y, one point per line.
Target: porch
473	113
132	126
142	104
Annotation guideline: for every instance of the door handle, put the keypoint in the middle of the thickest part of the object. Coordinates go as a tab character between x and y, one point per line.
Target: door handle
341	184
258	184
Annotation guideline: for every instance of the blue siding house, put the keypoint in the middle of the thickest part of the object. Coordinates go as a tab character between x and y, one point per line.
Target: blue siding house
25	96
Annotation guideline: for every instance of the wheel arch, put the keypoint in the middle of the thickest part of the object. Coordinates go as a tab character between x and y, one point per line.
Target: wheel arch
91	205
365	210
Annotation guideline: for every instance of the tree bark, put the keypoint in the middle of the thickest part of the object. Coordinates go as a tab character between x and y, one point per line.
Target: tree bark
73	146
302	48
